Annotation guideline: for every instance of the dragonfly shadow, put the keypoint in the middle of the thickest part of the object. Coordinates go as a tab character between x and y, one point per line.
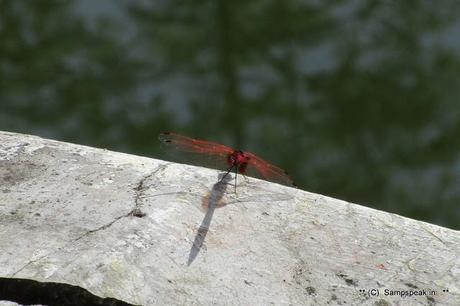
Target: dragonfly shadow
211	201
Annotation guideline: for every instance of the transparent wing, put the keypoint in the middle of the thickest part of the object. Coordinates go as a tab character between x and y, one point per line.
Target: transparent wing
194	151
188	144
267	170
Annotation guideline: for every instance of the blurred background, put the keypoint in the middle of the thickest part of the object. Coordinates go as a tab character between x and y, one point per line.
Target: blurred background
358	100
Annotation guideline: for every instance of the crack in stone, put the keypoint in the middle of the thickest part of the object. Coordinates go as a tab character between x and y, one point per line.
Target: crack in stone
136	211
139	190
435	236
32	262
103	227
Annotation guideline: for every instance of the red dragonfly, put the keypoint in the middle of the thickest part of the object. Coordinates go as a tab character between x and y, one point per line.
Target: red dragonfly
236	160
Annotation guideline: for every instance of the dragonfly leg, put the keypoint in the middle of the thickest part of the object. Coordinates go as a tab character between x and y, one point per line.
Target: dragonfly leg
226	173
236	175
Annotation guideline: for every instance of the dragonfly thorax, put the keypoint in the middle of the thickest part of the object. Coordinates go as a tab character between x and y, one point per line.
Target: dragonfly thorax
237	158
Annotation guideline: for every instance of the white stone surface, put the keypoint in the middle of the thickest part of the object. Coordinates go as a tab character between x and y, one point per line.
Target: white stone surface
66	215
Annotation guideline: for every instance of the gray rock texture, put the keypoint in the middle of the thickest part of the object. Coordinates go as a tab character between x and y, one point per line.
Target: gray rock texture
150	232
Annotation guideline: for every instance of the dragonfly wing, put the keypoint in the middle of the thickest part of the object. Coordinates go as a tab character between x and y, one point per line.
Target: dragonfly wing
269	171
188	150
188	144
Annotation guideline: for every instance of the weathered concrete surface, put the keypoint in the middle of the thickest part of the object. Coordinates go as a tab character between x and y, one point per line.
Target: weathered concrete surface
75	214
